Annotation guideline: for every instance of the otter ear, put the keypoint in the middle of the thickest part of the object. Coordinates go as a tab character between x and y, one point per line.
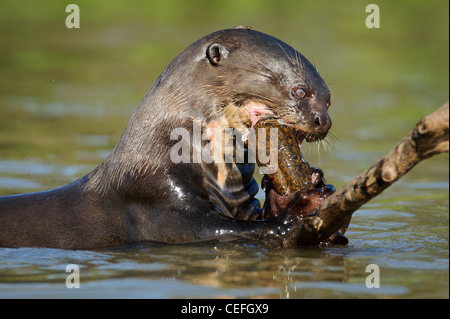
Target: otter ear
216	53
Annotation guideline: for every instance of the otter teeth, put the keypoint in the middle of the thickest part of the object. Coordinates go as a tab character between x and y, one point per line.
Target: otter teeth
300	138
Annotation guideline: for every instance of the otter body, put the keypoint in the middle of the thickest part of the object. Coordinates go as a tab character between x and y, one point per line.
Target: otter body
228	79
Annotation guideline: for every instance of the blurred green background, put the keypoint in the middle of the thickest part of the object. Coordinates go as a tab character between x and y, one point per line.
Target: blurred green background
67	94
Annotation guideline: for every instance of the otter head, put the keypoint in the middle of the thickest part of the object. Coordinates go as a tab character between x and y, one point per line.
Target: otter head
260	75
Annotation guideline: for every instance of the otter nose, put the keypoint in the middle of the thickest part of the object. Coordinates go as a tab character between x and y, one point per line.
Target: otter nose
322	123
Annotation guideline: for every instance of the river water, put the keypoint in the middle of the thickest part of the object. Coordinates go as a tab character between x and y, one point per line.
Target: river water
66	96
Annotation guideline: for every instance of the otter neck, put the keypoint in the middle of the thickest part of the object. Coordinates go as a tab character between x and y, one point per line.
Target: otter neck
144	148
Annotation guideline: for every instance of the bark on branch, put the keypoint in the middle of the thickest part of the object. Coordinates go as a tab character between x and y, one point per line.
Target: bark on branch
429	137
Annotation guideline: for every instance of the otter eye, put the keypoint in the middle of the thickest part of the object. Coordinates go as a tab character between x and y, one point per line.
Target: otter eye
299	92
328	103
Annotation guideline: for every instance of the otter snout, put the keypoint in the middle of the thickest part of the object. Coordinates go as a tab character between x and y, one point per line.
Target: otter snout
315	122
322	123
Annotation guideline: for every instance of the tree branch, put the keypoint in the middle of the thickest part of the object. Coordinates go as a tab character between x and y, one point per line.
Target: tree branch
429	137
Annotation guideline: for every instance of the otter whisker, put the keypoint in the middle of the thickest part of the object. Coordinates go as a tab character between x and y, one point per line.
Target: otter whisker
259	61
315	65
273	76
331	140
265	98
287	55
300	66
269	75
324	144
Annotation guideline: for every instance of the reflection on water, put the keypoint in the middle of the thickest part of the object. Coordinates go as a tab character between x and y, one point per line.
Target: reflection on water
66	96
229	271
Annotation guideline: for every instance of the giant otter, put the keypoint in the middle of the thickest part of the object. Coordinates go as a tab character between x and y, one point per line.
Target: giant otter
229	78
